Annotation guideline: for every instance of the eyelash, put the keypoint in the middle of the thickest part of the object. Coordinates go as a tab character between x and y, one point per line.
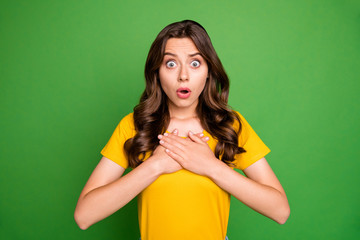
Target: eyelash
166	63
196	61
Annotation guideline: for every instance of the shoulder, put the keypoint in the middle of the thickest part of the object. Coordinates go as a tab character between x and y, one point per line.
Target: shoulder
128	119
240	120
126	124
245	129
240	116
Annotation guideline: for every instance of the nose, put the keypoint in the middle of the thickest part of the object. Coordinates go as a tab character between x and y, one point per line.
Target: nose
183	75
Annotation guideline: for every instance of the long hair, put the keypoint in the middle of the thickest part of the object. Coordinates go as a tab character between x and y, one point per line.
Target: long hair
151	115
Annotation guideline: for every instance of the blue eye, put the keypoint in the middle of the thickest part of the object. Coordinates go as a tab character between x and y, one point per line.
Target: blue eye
195	63
170	64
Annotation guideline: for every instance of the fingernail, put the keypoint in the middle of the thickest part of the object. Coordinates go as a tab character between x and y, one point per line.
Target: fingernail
207	138
191	133
161	141
201	134
175	131
166	134
160	136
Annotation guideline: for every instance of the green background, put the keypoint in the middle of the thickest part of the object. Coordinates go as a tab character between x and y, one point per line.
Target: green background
70	70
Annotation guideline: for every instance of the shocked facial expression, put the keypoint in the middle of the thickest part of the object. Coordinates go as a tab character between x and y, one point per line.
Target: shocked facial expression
183	73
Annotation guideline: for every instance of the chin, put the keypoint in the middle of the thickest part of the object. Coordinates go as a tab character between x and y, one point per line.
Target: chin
182	105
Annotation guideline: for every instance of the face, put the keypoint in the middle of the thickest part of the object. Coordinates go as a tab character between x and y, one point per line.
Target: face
183	73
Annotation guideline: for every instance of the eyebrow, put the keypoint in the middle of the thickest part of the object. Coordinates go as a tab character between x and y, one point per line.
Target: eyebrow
190	55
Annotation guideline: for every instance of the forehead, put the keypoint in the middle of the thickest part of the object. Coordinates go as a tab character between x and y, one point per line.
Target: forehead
180	45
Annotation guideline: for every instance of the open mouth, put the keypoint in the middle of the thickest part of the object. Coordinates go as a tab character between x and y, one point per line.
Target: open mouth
183	92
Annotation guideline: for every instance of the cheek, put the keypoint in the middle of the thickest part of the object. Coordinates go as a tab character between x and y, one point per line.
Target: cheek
202	86
202	78
165	80
162	77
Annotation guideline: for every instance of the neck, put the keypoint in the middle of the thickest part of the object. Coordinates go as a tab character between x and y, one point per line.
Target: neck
182	113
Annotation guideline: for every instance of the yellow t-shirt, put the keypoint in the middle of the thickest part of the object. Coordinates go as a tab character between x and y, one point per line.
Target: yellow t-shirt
184	205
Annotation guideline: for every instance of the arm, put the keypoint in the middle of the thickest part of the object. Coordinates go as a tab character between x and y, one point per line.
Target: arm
261	190
106	191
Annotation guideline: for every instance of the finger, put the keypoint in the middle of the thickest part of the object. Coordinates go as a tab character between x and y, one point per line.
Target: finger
195	138
174	139
202	137
205	138
172	145
174	156
174	132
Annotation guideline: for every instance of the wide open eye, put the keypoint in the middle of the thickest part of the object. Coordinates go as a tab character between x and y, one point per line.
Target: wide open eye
195	63
170	64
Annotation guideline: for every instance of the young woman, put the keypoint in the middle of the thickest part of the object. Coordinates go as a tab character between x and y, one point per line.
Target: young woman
183	142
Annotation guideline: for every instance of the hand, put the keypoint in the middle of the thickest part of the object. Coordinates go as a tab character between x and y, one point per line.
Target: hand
164	162
192	153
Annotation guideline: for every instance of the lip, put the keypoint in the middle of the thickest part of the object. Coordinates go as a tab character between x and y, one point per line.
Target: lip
183	92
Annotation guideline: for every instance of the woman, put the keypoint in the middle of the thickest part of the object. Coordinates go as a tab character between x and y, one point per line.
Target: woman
183	143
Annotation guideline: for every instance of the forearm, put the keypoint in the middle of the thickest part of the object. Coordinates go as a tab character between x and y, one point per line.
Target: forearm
104	201
262	198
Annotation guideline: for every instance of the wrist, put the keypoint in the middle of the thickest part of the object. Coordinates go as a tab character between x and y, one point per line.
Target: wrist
215	172
154	166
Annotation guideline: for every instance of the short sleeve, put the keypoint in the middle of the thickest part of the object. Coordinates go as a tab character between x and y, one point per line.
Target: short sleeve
255	148
114	149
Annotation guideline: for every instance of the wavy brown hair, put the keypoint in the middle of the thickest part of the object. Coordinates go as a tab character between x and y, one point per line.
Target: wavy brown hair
151	115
